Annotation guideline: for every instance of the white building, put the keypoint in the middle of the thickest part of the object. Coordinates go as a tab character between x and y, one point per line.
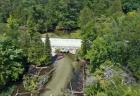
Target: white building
64	45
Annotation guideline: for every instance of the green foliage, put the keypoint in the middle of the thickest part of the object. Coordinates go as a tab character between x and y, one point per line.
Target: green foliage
11	61
12	23
46	15
35	49
38	52
111	86
52	14
115	40
134	66
69	12
30	83
5	8
43	15
104	7
93	90
7	91
108	35
98	52
47	51
114	37
87	29
130	5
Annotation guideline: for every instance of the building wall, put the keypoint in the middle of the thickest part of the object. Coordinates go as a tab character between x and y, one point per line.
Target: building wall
64	45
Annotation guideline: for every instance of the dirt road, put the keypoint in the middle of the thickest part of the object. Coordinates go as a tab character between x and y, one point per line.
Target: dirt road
61	77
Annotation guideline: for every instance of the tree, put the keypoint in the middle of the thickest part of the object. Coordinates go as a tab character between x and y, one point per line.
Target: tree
12	61
52	13
130	5
35	49
88	34
68	14
99	7
116	6
98	53
47	51
131	34
38	52
5	10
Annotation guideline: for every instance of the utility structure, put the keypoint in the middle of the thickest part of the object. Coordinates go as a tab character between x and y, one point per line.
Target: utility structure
64	45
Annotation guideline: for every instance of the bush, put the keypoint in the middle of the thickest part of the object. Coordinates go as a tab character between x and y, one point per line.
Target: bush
12	61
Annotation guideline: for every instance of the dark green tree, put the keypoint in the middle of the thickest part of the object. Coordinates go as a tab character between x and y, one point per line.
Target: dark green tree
47	51
88	34
130	5
68	14
12	61
35	49
39	53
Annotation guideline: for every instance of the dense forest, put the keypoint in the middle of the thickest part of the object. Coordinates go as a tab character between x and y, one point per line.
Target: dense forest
110	33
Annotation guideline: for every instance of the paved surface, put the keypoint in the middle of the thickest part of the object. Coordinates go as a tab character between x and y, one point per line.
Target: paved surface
61	77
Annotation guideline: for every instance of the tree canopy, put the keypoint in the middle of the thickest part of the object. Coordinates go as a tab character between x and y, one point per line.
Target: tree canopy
109	29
